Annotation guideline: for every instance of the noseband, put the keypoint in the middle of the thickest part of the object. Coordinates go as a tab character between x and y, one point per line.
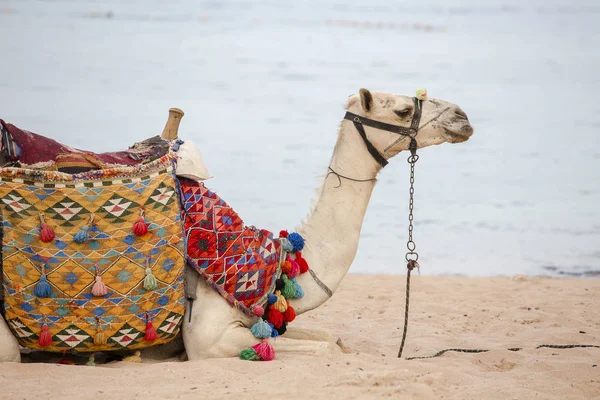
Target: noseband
411	132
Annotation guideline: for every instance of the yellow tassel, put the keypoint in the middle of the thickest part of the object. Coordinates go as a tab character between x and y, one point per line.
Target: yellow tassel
100	337
281	303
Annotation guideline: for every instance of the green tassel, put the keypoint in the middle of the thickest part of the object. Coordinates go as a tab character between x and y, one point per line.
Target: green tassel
150	282
289	290
249	354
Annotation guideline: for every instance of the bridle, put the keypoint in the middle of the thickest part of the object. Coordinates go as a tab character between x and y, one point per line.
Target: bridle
410	132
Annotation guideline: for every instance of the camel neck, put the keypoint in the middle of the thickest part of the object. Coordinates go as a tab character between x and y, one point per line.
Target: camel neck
332	230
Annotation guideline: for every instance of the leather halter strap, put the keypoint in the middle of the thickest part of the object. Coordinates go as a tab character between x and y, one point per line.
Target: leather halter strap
400	130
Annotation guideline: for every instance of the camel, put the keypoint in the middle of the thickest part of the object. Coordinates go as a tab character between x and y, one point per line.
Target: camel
214	329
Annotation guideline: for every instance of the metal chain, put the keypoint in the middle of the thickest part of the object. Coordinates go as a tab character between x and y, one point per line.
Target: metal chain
410	245
411	256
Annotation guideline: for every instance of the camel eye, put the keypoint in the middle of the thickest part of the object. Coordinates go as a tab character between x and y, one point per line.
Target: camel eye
404	113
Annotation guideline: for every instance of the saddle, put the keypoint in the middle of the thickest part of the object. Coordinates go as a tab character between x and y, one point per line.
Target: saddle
25	149
93	247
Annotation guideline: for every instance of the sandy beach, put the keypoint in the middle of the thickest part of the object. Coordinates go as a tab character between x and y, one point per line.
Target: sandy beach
366	313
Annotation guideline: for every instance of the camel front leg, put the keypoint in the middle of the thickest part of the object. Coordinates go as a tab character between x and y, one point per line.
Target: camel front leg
9	347
299	346
309	334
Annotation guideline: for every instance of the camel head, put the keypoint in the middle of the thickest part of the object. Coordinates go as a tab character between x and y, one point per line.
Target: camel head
441	121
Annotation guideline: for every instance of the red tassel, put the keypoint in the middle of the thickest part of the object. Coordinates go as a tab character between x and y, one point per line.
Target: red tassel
46	233
264	350
301	262
275	317
283	234
290	314
140	228
150	332
45	338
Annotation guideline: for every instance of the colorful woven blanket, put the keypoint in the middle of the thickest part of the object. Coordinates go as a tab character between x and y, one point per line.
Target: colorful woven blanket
240	262
93	261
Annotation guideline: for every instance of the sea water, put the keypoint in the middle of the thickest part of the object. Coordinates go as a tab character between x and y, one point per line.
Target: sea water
263	84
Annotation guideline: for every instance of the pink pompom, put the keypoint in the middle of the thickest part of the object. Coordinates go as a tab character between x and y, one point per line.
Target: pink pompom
264	350
294	269
258	311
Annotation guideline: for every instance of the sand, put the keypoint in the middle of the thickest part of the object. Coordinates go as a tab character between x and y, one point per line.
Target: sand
366	313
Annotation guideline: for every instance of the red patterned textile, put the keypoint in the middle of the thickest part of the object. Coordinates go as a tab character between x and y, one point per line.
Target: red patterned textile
239	262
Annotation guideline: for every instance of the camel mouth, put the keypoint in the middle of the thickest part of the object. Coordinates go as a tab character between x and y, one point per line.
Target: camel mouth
458	136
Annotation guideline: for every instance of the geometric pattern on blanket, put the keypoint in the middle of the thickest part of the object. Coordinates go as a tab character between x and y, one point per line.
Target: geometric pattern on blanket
72	313
239	262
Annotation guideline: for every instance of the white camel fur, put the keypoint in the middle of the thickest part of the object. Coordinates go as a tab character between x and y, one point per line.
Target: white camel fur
331	230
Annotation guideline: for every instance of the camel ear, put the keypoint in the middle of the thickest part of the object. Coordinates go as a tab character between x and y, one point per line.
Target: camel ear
366	99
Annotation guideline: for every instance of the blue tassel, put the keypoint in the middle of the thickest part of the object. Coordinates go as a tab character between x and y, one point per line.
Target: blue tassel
274	332
299	290
297	241
43	288
82	236
287	245
261	329
271	299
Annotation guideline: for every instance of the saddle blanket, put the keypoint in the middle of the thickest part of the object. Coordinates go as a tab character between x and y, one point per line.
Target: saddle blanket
239	262
93	261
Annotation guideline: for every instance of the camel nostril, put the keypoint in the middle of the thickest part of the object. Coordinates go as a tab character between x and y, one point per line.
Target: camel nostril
461	113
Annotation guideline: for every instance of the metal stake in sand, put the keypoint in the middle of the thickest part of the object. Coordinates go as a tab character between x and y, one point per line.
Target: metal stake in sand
411	256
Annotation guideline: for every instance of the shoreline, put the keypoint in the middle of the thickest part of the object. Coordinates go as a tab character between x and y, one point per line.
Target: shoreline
367	313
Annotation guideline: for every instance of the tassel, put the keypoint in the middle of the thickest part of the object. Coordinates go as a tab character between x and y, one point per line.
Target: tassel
92	361
289	290
45	338
140	228
258	311
286	244
283	233
274	332
99	337
279	284
99	289
286	266
281	304
43	288
264	350
290	314
281	330
299	290
65	360
150	331
296	240
83	235
271	298
150	282
249	354
301	262
294	269
261	329
46	233
275	317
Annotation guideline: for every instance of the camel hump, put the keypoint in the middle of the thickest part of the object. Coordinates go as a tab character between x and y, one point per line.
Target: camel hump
172	125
